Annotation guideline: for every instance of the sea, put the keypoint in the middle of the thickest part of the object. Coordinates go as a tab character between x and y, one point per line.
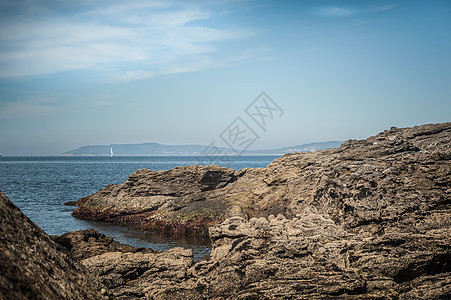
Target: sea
40	186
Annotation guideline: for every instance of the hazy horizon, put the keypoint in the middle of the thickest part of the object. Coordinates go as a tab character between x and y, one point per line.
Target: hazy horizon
188	72
205	146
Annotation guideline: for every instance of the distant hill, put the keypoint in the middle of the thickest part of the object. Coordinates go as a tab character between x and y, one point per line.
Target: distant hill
299	148
148	149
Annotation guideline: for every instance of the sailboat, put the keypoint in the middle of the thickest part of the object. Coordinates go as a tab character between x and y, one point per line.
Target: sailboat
111	152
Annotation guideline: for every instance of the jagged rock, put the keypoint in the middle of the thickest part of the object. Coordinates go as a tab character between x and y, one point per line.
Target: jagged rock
369	182
32	266
312	257
87	243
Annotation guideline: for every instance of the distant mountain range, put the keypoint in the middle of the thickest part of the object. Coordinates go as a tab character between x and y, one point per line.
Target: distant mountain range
148	149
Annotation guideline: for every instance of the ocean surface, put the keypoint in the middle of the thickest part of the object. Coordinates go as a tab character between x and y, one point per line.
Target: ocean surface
40	186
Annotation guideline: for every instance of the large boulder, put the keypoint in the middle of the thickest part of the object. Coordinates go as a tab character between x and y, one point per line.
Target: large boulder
32	266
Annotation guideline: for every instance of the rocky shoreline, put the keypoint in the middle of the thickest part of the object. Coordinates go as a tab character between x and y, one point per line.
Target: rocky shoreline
355	184
368	220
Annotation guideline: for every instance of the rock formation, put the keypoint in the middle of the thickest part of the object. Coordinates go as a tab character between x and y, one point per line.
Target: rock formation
369	220
32	266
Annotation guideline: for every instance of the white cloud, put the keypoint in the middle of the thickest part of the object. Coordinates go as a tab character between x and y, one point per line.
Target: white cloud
43	41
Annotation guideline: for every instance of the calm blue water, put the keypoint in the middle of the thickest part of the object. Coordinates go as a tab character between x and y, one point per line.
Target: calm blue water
39	186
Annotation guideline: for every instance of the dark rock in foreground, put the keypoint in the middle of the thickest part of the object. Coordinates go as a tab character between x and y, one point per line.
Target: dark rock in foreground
32	266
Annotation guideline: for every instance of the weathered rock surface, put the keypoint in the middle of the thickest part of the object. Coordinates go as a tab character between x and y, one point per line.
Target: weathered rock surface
369	220
312	257
32	266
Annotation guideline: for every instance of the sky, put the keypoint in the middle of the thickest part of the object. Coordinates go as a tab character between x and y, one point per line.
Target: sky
88	72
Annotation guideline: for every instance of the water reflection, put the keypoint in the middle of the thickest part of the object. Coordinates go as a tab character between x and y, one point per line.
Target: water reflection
157	241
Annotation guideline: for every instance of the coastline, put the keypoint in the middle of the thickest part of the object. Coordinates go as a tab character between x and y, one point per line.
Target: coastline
368	220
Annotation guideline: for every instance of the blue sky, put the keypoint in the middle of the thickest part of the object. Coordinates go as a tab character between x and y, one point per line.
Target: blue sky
74	73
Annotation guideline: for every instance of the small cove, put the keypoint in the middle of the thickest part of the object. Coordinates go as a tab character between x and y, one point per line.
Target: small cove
40	186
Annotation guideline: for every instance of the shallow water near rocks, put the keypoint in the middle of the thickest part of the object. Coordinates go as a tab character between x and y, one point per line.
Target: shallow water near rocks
156	241
40	186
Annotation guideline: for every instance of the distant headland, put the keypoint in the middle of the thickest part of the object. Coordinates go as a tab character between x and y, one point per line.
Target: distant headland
148	149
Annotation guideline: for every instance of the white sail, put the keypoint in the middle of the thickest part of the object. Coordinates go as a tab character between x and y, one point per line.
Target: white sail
111	152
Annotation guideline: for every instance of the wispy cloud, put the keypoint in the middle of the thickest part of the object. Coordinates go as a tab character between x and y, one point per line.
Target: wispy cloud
46	39
334	11
195	63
